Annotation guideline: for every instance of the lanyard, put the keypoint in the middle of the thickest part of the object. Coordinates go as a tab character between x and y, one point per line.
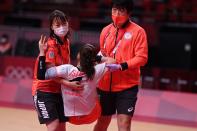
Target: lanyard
116	47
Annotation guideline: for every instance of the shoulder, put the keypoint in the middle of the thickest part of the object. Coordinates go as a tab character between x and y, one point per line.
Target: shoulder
51	48
67	67
67	71
135	27
107	28
51	42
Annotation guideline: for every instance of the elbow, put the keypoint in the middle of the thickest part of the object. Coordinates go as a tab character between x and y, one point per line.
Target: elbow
144	62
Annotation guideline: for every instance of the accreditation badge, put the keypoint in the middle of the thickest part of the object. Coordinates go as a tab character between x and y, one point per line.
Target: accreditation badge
127	35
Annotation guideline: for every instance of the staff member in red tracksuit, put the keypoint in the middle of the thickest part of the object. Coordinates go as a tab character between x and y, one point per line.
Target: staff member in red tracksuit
47	93
125	41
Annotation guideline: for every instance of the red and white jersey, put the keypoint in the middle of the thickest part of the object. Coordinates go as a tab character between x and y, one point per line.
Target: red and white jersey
77	103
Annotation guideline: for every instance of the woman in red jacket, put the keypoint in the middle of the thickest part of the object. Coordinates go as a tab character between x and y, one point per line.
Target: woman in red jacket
47	93
125	41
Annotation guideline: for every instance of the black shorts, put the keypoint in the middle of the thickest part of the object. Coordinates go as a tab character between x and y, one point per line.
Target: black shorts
49	107
123	101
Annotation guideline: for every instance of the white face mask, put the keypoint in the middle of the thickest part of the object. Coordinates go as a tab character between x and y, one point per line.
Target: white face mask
3	40
61	31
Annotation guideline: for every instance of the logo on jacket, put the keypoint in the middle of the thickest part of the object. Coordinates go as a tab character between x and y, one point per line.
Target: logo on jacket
127	35
74	74
51	55
130	109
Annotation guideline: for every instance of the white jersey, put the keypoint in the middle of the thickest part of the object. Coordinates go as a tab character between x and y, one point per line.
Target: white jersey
77	103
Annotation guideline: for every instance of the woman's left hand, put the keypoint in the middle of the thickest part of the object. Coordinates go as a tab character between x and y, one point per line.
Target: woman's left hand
42	45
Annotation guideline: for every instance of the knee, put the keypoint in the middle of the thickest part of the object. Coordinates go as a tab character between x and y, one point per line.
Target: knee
124	124
53	126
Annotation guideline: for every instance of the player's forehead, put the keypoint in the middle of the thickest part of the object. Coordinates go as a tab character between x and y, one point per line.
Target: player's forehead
59	21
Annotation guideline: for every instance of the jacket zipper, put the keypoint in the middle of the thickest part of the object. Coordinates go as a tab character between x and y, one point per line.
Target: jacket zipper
110	87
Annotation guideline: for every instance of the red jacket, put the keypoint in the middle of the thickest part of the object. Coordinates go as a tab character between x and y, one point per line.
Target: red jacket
127	45
55	54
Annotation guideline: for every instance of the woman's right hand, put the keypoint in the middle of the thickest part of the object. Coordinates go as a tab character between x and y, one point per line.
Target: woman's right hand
42	45
110	60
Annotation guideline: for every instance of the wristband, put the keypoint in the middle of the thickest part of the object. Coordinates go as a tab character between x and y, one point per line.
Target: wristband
124	66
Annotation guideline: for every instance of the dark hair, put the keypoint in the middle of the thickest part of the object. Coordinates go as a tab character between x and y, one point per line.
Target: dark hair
87	60
57	14
127	4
